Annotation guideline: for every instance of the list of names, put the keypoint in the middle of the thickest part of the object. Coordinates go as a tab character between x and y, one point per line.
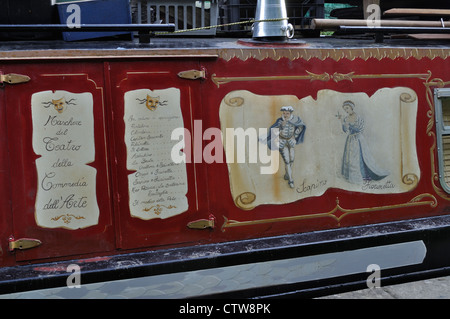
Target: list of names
158	186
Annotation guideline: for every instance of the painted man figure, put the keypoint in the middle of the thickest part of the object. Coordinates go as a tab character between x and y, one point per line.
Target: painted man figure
291	131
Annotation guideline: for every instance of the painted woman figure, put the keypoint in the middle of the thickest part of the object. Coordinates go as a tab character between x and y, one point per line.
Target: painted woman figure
358	165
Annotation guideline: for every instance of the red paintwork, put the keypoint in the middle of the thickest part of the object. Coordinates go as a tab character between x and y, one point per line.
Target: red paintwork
87	77
327	202
208	183
134	232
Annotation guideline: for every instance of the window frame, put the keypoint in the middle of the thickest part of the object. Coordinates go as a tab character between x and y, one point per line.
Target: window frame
441	130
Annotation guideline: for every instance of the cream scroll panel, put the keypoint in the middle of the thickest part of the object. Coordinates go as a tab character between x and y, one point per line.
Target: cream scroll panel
63	136
158	186
350	141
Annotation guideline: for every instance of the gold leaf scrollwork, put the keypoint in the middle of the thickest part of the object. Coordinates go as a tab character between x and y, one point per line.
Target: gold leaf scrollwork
341	77
336	54
325	77
430	84
419	199
67	218
157	209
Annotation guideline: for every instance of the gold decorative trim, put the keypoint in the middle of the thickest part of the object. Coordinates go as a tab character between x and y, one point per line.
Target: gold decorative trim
337	213
310	76
157	209
325	77
67	218
334	54
429	86
240	52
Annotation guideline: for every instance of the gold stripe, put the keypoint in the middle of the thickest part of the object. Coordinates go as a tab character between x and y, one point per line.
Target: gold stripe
337	213
337	77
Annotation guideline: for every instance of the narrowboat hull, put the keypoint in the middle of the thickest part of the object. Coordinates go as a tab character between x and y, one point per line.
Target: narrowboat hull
120	158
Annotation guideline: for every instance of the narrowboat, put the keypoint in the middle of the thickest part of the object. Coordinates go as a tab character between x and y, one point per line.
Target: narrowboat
156	163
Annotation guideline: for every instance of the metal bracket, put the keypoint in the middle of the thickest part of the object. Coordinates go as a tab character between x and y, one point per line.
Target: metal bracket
13	78
193	74
22	243
202	223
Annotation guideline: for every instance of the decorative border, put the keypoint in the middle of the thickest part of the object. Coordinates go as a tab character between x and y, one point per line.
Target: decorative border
67	218
338	213
157	209
232	50
334	54
430	85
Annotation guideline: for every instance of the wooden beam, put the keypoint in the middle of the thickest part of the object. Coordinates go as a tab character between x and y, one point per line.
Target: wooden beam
420	12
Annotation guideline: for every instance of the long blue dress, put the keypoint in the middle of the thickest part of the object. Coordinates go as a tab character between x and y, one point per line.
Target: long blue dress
358	164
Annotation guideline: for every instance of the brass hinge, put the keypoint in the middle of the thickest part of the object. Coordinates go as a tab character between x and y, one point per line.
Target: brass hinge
193	74
202	223
23	243
13	78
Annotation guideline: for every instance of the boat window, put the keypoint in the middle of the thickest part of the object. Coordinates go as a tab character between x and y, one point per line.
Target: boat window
442	103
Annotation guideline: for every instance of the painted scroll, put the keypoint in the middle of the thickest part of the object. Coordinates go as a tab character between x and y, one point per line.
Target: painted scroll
63	136
340	140
158	186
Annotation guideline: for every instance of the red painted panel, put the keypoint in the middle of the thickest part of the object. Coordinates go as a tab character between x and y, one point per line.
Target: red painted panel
137	232
56	242
336	207
5	186
209	189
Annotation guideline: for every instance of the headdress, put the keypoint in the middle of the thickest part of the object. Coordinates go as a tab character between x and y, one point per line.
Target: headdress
349	103
287	108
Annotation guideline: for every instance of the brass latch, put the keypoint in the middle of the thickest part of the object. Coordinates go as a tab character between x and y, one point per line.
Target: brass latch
23	243
13	78
193	74
202	223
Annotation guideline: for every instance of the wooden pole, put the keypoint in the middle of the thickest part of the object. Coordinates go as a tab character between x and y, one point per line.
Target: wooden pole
420	12
333	24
